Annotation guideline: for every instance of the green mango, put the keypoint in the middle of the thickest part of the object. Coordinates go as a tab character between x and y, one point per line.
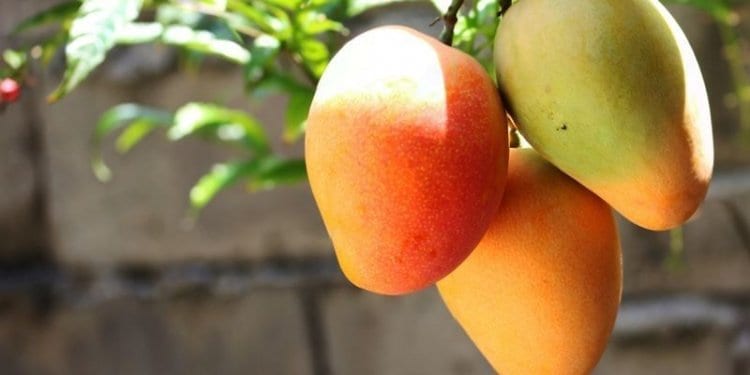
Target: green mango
610	92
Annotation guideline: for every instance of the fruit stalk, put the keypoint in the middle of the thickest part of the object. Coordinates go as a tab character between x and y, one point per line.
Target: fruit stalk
449	22
504	6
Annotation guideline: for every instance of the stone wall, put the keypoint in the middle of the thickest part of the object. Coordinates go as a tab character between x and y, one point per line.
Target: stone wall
110	279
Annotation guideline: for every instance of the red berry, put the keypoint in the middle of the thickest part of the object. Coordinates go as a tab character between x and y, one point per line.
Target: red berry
10	90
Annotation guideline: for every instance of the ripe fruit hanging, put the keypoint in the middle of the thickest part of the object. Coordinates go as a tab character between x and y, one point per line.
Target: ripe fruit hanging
406	153
540	293
10	90
610	92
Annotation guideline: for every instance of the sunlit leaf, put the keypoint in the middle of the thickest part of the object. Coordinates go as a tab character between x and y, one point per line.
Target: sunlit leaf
263	51
286	4
221	124
117	117
14	59
138	32
168	14
205	42
200	41
92	34
133	134
314	55
57	13
254	15
219	5
313	22
355	7
219	178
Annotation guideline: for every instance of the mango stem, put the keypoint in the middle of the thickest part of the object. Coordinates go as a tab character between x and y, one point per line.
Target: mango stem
449	22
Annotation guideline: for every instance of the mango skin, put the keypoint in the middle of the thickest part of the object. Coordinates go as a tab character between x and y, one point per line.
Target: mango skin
406	151
611	93
540	293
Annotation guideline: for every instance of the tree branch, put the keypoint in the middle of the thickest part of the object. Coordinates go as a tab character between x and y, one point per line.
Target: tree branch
449	21
504	6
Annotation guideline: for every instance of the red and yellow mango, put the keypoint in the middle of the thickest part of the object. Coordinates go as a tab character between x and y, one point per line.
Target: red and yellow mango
406	151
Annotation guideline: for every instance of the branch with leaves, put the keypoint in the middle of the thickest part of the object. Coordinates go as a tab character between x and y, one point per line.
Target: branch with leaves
264	38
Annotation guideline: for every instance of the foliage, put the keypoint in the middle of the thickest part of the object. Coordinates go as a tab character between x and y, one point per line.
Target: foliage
265	38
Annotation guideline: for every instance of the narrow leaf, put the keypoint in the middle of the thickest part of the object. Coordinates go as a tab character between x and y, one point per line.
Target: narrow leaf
200	41
296	114
133	134
92	35
355	7
205	42
57	13
274	171
221	124
286	4
263	51
137	32
219	178
313	22
314	54
115	118
14	59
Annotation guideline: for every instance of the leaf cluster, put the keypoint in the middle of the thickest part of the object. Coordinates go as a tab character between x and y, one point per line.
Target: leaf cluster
282	46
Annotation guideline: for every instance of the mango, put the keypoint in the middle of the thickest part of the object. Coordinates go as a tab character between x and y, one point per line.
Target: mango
610	92
406	151
540	293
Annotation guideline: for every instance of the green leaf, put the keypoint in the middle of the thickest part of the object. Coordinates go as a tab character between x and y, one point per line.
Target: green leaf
273	171
57	13
168	14
221	124
133	134
51	46
265	48
279	82
205	42
286	4
312	22
355	7
200	41
219	178
92	35
261	173
296	114
14	59
253	15
314	55
269	19
117	117
218	5
136	32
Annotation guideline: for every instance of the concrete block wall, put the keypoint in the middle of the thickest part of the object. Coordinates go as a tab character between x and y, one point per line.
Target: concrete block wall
108	278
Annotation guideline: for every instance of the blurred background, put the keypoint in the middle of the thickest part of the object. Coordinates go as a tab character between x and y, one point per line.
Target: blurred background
116	278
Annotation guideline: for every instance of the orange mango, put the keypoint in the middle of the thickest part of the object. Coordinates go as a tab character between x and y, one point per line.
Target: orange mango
540	293
406	151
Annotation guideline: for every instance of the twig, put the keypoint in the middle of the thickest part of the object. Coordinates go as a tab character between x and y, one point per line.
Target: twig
504	6
449	21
